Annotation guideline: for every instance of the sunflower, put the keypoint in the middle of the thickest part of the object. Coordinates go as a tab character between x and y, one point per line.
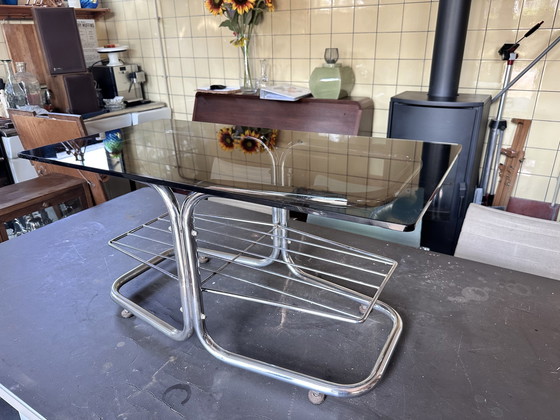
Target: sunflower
269	5
249	142
241	6
272	137
214	6
239	42
225	139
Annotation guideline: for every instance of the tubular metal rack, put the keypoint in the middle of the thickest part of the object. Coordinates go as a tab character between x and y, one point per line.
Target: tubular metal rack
265	262
311	275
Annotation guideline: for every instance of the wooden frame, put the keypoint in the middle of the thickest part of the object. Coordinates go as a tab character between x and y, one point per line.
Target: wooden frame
36	131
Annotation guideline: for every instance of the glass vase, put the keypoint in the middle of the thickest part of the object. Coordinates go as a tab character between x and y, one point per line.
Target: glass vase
248	81
113	142
29	83
14	93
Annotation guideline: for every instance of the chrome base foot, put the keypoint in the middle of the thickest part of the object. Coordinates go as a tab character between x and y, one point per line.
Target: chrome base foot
315	397
126	314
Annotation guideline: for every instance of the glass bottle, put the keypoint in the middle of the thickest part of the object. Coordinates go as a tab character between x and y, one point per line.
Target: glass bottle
14	93
264	79
29	84
47	101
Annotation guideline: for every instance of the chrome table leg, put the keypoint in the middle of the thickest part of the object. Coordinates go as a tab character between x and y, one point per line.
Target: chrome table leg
184	290
261	367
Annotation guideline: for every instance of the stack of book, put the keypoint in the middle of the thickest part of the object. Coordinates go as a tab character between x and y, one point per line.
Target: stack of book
284	93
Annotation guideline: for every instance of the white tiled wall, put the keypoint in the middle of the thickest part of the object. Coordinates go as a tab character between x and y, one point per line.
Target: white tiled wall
388	43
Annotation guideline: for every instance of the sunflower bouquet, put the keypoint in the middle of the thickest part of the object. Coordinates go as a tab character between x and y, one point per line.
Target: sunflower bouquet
241	16
248	139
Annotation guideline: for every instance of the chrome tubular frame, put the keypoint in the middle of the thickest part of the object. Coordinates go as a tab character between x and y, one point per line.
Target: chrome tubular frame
184	289
261	367
185	250
253	262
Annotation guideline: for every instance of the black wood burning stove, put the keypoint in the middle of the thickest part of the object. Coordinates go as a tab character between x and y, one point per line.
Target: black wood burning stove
442	115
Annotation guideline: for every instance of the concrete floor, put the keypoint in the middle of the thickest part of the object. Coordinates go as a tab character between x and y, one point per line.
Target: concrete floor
7	412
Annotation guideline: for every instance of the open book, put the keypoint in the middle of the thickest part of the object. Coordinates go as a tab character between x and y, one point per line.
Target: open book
284	93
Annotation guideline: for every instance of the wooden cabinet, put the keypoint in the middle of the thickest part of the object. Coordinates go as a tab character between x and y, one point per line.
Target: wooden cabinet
52	50
38	194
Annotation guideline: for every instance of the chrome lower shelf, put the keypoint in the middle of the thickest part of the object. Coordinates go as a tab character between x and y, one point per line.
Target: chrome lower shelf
271	264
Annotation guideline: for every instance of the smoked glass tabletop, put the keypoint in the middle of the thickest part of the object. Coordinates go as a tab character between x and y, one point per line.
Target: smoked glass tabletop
377	181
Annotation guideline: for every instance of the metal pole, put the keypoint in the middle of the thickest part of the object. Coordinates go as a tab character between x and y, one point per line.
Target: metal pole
449	47
492	155
556	191
492	152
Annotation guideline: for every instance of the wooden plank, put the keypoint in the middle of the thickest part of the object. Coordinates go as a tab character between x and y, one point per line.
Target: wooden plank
514	158
35	190
23	45
24	12
533	208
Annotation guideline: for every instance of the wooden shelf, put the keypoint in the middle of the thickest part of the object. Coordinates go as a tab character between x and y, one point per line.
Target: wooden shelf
351	116
24	12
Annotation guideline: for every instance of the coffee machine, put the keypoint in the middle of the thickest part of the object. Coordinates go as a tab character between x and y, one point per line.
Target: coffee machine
119	79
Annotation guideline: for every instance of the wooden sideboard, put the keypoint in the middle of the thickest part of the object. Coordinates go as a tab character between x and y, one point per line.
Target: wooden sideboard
353	116
36	194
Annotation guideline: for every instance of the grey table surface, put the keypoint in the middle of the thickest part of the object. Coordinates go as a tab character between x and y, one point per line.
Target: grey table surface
478	341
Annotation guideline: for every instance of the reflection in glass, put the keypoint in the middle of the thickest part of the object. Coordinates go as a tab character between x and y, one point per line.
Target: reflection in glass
37	219
369	180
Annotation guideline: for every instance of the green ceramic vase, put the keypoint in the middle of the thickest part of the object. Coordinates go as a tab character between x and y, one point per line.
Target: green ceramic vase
331	81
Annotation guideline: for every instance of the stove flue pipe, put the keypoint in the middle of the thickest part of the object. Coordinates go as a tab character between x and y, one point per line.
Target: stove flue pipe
449	46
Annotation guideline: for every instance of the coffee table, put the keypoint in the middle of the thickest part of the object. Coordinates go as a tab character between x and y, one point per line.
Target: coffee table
371	181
